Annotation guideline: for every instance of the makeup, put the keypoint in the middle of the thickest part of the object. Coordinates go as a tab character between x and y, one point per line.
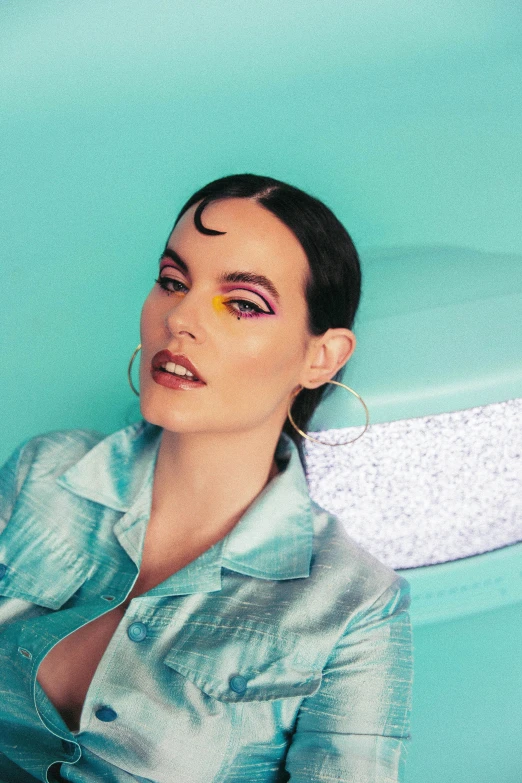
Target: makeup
175	381
166	360
249	281
218	304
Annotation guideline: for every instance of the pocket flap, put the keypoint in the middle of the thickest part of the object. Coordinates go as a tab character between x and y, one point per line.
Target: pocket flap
240	663
52	593
39	567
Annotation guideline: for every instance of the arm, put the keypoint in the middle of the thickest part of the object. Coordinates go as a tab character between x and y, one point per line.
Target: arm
355	728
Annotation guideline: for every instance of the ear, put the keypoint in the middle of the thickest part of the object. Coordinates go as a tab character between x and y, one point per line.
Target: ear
328	352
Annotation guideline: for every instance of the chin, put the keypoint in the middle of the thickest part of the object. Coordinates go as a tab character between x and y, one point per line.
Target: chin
156	412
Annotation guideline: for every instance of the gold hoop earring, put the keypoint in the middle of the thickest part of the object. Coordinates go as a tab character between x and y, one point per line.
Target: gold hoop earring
337	383
130	368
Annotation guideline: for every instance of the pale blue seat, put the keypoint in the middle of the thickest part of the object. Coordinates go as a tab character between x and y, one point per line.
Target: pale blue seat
439	359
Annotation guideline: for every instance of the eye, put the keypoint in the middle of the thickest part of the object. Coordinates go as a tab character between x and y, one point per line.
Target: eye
245	308
165	282
253	313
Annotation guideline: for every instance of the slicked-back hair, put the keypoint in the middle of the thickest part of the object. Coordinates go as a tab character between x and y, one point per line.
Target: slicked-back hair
333	287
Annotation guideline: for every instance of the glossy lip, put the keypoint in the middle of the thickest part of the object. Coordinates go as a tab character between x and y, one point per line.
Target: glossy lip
175	381
178	358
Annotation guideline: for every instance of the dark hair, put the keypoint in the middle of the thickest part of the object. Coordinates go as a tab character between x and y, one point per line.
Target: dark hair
333	287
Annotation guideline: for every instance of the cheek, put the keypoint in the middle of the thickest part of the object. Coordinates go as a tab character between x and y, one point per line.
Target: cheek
266	357
147	313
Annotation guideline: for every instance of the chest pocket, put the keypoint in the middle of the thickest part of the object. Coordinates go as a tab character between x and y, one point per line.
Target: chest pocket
38	566
238	663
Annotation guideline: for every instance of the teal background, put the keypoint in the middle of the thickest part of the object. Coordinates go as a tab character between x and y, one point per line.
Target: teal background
405	119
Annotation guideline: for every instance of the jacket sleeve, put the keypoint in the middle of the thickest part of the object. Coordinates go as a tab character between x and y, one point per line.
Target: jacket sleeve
355	728
12	476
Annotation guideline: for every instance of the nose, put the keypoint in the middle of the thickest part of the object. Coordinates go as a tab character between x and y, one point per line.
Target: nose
184	318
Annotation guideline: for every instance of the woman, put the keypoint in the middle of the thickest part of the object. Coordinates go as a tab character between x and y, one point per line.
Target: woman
174	606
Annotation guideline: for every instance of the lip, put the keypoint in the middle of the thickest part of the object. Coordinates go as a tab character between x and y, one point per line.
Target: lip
178	358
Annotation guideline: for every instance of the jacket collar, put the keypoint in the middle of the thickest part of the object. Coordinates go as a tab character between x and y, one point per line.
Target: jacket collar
273	538
118	469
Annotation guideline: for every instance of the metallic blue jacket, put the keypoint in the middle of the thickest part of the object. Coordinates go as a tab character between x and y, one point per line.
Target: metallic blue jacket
282	653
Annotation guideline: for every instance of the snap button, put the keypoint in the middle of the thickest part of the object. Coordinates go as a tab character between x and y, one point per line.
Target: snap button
137	632
238	684
69	747
106	714
3	570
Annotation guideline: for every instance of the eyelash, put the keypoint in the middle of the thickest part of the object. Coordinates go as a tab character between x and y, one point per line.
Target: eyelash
163	282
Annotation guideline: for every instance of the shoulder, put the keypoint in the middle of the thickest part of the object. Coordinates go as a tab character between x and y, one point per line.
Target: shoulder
51	453
47	455
345	569
36	458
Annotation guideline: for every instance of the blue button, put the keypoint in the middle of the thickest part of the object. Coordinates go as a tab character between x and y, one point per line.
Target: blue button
238	684
3	570
137	632
69	747
106	714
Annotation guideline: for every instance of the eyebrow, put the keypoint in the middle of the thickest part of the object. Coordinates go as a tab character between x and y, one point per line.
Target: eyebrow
228	277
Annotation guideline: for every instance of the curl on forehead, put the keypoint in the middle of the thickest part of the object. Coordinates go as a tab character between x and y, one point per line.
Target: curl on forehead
244	230
197	219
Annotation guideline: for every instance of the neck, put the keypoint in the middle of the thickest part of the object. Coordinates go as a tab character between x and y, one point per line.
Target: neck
203	483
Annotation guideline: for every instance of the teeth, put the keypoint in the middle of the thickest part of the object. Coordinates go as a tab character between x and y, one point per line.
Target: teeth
177	369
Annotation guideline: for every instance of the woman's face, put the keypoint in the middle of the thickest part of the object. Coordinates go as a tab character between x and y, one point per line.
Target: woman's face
251	354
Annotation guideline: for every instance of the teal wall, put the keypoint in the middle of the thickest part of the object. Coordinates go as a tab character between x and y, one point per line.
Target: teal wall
404	117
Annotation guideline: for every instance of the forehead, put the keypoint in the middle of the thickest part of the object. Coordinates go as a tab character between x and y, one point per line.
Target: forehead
255	240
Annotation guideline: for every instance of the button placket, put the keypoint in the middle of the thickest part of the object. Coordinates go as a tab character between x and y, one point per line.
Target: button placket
137	632
93	706
106	714
238	684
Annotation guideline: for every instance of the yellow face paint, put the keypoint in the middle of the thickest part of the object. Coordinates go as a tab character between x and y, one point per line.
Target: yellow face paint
218	303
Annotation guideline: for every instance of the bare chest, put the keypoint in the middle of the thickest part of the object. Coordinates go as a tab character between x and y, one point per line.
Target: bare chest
67	670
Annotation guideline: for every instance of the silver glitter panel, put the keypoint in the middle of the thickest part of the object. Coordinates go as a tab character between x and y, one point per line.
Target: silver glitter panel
425	490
